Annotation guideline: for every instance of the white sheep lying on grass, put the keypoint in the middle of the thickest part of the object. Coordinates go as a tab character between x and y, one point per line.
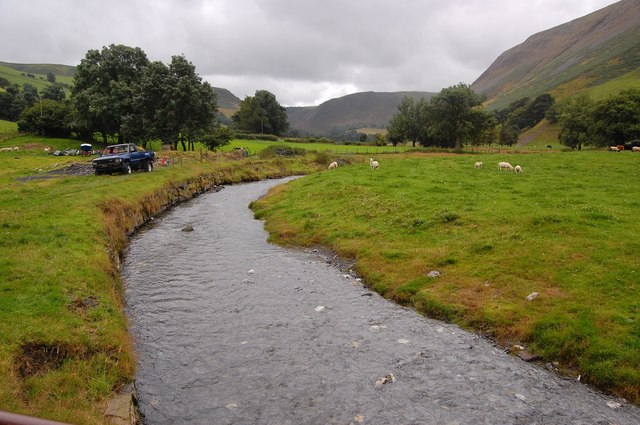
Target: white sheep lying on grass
505	166
373	164
478	164
333	165
635	149
518	169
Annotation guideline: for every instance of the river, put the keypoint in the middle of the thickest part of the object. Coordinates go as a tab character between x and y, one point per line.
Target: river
230	329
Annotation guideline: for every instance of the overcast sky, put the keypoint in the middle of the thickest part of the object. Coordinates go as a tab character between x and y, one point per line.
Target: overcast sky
303	51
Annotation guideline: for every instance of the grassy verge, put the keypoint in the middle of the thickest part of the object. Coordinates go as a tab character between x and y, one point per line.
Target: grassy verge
64	345
566	229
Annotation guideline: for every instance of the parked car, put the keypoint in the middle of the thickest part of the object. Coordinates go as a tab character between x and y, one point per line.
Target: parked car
123	158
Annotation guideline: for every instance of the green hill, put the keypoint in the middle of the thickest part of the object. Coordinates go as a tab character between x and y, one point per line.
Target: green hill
36	74
587	52
354	111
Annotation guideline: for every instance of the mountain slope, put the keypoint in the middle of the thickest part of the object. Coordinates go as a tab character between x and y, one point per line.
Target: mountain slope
585	52
42	68
368	109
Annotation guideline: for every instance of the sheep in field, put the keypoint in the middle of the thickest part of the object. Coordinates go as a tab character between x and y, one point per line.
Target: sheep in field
333	165
635	149
373	164
478	164
614	149
505	166
518	169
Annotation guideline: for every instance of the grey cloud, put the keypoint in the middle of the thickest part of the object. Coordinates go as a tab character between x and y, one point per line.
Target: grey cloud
301	50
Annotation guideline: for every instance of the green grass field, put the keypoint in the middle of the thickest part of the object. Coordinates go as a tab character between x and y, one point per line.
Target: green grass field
64	344
566	228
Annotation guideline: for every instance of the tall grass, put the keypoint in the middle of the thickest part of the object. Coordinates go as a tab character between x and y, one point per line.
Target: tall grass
566	228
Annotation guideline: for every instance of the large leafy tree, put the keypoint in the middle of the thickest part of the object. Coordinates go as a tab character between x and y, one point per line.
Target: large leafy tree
411	122
104	86
261	114
616	120
457	116
47	118
575	117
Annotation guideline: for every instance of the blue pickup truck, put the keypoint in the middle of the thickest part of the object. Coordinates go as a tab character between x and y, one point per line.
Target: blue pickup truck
123	158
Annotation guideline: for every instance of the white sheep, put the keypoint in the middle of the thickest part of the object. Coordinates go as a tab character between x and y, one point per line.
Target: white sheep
333	165
635	149
505	166
5	149
373	164
16	148
518	169
47	149
613	149
478	164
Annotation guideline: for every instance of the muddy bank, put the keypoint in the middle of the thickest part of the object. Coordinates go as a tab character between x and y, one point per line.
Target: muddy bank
232	330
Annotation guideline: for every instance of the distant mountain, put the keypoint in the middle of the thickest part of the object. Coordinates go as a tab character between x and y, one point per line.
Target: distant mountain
228	103
42	68
586	52
358	110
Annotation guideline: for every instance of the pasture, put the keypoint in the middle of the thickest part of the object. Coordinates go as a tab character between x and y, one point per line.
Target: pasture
566	229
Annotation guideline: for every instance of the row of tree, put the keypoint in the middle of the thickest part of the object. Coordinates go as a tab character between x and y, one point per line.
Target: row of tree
123	96
451	119
15	99
611	121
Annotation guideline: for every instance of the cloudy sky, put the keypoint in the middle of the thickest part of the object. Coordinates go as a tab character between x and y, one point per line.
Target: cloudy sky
303	51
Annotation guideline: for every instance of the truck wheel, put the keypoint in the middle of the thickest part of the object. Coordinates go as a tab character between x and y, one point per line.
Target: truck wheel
148	167
127	168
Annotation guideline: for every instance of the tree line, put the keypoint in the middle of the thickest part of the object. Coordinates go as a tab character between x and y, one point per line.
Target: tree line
121	95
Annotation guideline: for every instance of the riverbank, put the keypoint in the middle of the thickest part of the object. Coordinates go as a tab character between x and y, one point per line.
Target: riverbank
544	260
65	347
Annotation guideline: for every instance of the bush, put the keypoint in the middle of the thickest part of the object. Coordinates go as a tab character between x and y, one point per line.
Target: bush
281	150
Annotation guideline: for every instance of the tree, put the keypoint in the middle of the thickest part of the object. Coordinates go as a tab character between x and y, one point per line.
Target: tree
616	120
51	77
47	118
54	92
411	122
261	114
220	137
575	116
456	116
104	87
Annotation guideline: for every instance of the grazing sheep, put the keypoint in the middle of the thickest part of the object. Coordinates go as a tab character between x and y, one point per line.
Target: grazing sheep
478	164
505	166
635	149
614	149
16	148
47	149
5	149
333	165
518	169
373	164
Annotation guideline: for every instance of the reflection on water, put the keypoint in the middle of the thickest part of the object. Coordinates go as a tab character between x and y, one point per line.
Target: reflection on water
232	330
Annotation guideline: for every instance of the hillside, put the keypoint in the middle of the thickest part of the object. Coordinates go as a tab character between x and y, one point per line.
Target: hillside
228	103
368	109
42	69
583	53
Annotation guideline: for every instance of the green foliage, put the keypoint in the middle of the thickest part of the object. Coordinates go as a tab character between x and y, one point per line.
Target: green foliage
452	118
261	114
282	150
221	137
575	120
46	118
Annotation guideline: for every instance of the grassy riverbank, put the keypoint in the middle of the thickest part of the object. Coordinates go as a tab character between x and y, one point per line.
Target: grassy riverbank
566	229
64	346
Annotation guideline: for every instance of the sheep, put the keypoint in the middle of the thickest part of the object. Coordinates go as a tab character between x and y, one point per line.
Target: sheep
5	149
518	169
505	166
478	164
614	149
635	149
333	165
47	149
15	148
373	164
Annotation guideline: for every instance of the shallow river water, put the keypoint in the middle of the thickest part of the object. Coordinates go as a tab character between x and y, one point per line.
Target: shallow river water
232	330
